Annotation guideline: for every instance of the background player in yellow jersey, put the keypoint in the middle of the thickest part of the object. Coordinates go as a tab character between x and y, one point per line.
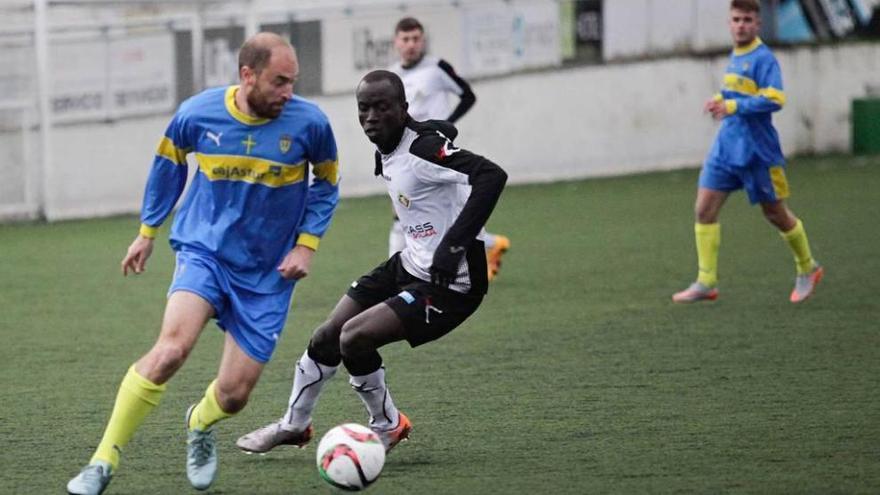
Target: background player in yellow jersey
746	155
243	235
429	83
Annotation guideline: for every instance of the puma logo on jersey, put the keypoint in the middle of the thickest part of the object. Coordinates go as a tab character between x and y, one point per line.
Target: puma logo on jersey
214	137
448	149
456	249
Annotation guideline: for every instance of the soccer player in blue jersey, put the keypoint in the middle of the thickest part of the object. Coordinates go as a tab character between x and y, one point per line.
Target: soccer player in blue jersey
746	155
244	234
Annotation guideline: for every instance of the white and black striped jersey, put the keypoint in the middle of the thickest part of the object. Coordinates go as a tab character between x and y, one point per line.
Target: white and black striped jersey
428	84
443	196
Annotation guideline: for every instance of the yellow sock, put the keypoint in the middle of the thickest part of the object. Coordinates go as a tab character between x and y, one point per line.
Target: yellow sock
708	236
208	411
800	247
137	396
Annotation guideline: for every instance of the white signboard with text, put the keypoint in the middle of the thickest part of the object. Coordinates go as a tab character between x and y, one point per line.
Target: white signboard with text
356	44
503	37
100	78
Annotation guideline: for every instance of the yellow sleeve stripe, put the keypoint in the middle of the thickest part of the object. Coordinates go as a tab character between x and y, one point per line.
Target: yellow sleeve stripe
170	152
717	97
308	240
730	105
773	95
740	84
328	171
148	232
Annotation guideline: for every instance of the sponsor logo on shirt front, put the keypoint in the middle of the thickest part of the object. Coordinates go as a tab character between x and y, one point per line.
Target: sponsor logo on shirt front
420	231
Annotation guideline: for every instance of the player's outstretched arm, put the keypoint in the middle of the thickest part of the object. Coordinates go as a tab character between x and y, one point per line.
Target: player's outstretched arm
135	259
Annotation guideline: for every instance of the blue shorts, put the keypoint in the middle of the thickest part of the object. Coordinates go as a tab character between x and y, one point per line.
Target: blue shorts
254	320
763	184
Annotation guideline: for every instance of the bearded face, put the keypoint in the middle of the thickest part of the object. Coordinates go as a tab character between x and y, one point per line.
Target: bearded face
269	88
267	105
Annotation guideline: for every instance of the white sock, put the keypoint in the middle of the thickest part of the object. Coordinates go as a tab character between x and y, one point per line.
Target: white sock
308	381
396	241
374	393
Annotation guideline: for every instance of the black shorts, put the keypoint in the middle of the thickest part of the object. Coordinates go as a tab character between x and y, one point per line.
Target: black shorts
427	311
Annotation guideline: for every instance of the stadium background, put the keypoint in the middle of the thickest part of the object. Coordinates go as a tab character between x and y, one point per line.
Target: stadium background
585	88
577	375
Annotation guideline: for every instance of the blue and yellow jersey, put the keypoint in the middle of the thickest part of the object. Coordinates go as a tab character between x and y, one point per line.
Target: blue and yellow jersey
752	91
251	198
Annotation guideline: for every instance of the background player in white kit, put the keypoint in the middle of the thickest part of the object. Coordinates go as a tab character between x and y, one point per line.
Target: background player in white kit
422	292
430	82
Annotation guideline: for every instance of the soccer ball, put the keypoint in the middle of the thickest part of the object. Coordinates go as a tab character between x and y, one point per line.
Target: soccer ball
350	457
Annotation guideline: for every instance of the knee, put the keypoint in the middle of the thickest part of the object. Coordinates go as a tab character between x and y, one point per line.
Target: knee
232	397
773	217
325	342
353	341
780	218
164	360
705	213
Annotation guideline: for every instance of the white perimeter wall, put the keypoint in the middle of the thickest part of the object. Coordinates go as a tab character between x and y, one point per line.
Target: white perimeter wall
565	124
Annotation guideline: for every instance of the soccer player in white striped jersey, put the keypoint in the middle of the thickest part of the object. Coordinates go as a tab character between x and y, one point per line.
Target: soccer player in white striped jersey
430	82
443	196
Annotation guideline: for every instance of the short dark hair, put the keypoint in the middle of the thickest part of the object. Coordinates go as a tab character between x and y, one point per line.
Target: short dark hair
746	5
392	78
408	24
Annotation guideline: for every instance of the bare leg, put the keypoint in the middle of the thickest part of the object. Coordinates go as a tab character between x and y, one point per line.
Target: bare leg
708	205
237	377
779	215
186	314
144	384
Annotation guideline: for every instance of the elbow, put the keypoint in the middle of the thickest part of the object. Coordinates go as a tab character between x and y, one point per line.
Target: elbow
499	179
468	98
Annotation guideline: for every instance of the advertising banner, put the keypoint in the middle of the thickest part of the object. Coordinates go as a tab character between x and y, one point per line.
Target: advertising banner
810	20
502	37
107	78
80	80
141	75
356	44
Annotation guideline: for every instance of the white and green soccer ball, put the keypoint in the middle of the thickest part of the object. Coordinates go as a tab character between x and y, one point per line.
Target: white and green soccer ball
350	457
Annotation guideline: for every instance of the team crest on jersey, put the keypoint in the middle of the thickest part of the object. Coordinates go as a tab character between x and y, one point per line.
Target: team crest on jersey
403	200
285	142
